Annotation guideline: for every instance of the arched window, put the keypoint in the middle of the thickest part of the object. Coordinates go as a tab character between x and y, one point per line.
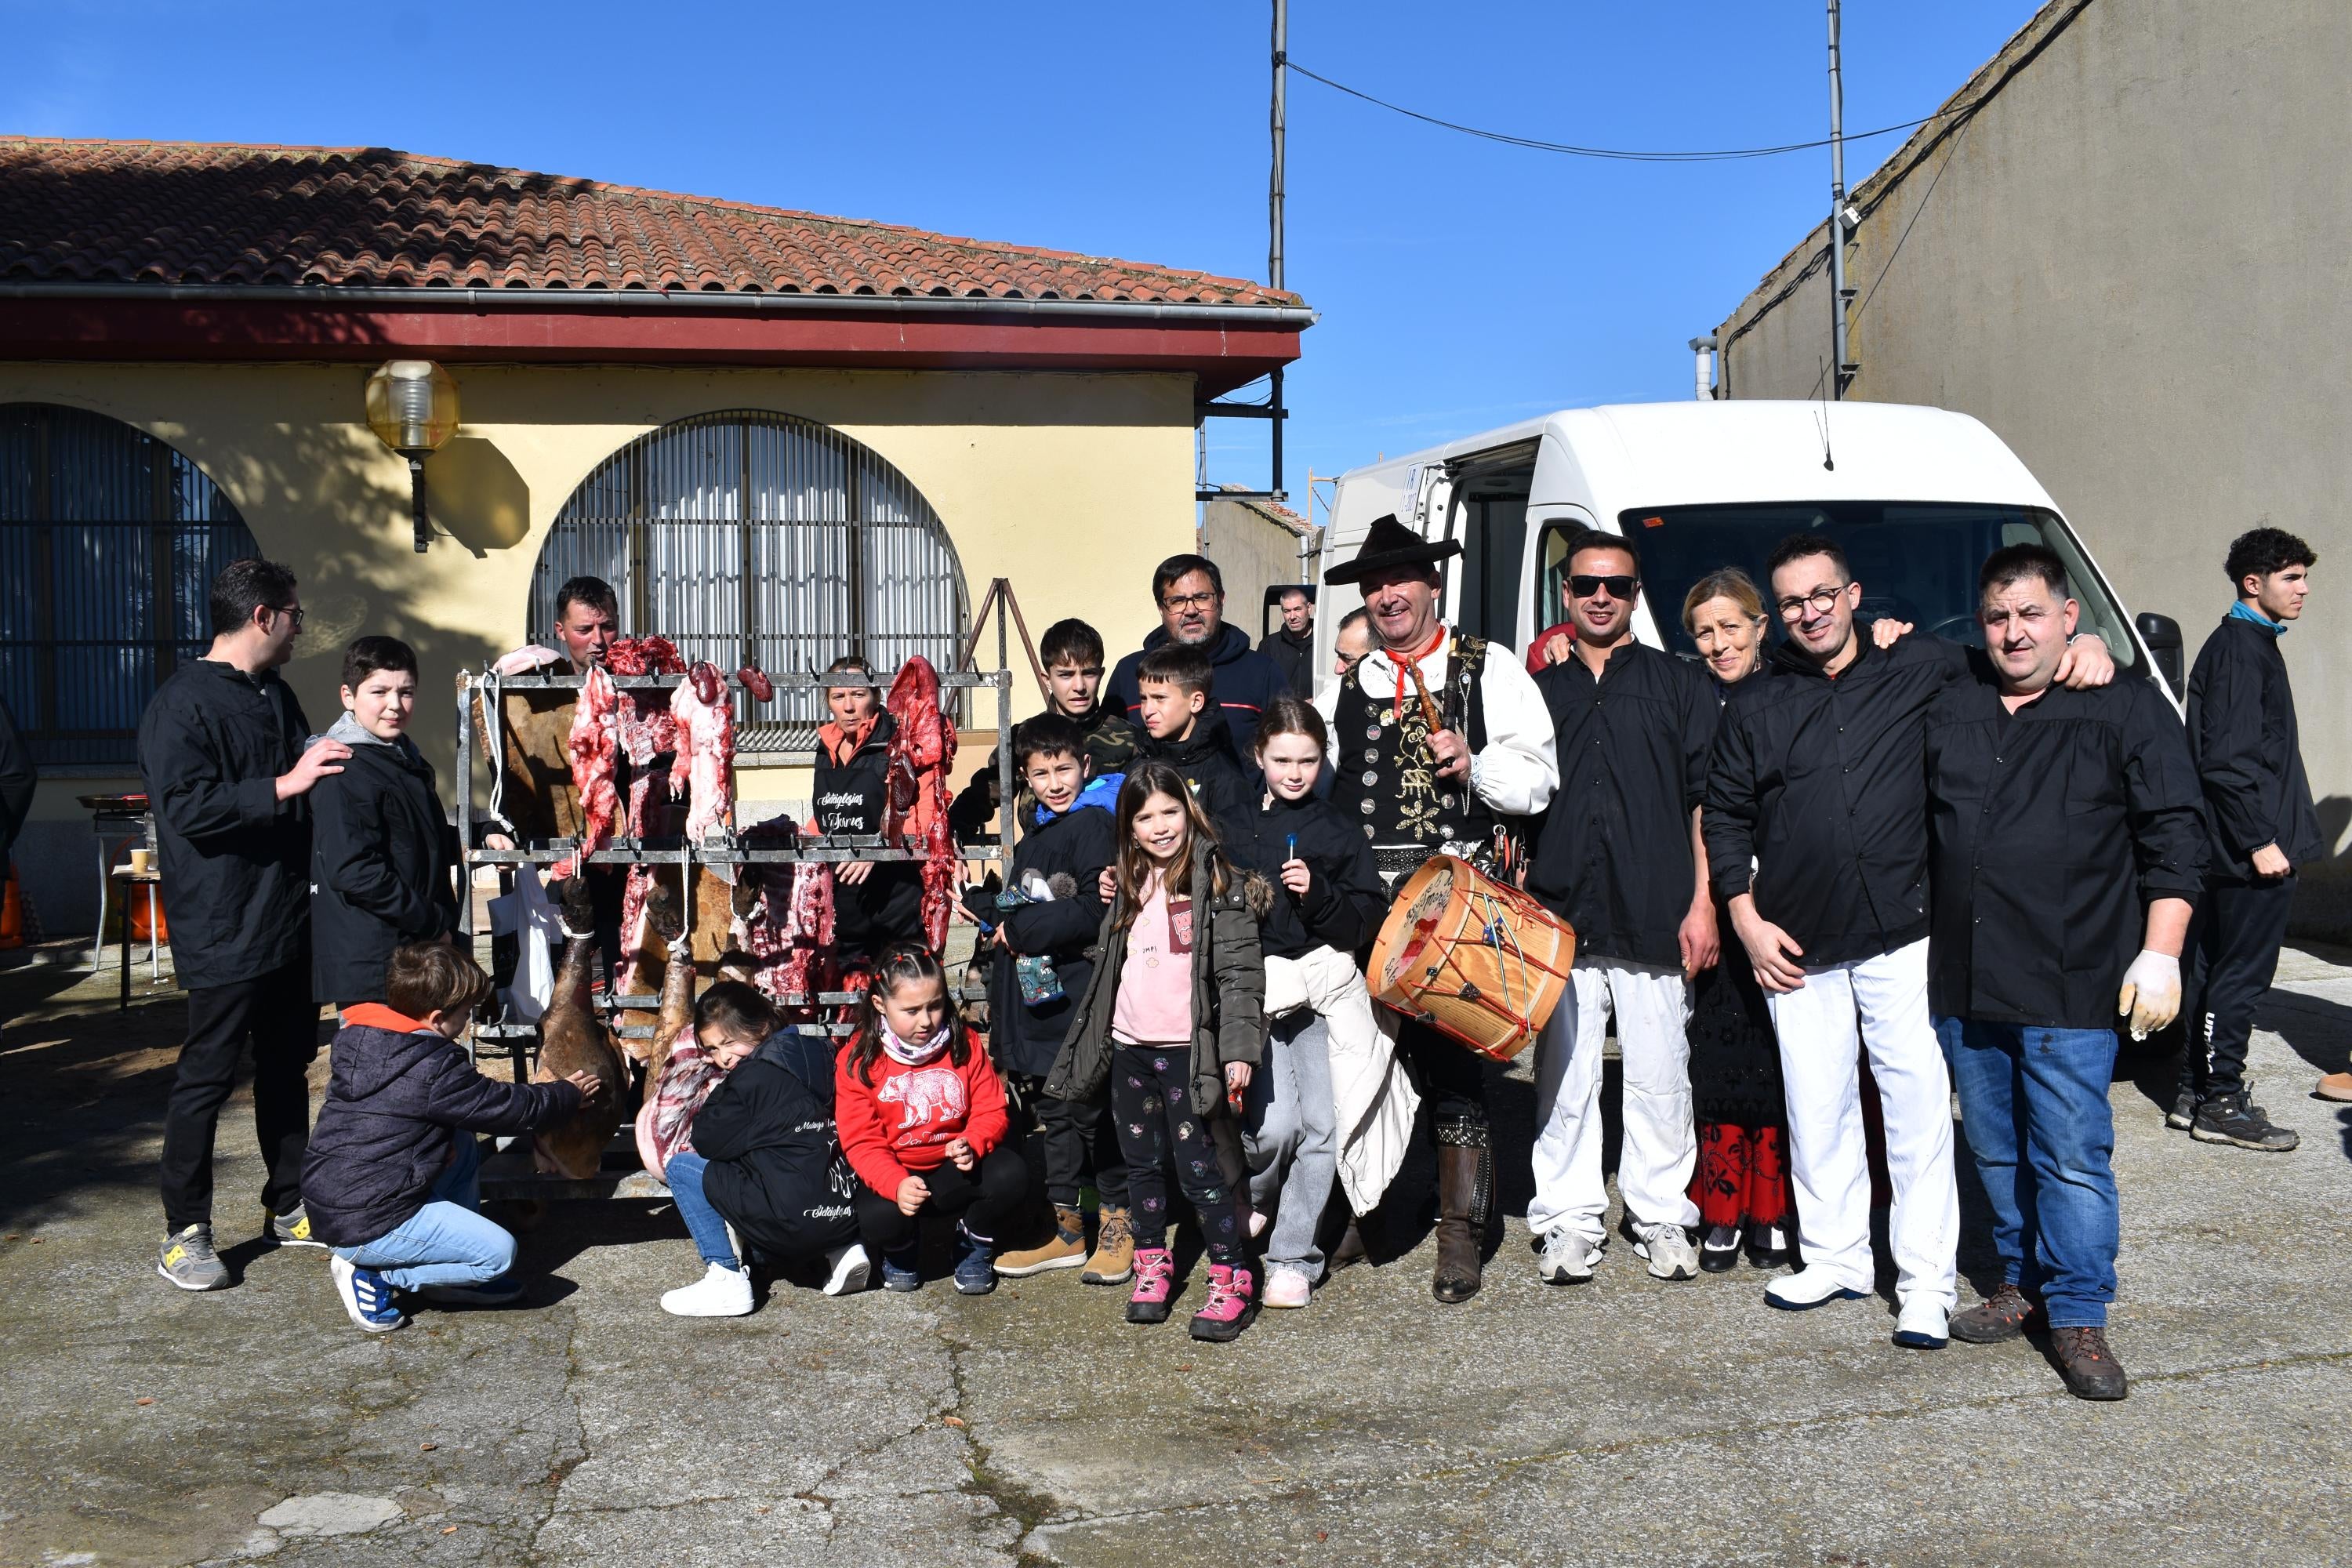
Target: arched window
752	537
108	541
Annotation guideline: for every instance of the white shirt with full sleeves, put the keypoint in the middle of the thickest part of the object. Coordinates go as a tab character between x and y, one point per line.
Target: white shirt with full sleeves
1517	773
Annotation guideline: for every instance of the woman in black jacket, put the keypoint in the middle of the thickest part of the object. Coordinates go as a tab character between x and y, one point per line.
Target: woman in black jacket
1310	878
381	850
874	902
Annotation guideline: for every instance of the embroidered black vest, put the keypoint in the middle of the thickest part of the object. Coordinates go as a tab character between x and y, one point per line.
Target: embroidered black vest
1385	777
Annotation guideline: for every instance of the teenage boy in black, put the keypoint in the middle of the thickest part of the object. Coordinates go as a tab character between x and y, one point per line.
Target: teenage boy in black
1064	848
1184	728
2066	850
221	750
2242	731
1072	652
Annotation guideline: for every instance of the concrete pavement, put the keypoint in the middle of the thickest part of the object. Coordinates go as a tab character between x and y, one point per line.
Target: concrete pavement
1627	1420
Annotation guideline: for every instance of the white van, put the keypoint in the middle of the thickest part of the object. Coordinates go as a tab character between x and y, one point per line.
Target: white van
1917	497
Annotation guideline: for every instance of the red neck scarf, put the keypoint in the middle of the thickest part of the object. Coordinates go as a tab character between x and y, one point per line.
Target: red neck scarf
1408	663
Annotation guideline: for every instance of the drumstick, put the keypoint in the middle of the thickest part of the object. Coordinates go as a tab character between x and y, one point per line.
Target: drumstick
1429	714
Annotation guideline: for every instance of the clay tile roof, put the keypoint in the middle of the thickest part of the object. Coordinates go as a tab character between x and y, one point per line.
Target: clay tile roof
165	212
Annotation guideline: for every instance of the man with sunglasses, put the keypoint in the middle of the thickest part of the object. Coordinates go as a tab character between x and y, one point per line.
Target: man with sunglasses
1190	593
221	750
1816	831
1619	856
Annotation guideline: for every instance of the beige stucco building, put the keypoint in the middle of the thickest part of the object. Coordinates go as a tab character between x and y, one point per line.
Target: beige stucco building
1036	409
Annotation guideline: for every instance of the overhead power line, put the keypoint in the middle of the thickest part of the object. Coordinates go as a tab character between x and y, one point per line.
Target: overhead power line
1621	155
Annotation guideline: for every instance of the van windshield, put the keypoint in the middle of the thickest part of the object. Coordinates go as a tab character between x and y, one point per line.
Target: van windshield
1916	560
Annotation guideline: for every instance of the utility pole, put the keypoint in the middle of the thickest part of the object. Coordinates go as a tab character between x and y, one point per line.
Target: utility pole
1274	200
1841	367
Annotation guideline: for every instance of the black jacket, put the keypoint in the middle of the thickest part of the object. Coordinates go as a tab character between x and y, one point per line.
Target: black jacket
776	1170
1206	759
1344	903
1612	854
1822	782
17	777
236	860
2249	751
850	796
1079	843
1244	681
381	857
1295	657
2051	829
382	1137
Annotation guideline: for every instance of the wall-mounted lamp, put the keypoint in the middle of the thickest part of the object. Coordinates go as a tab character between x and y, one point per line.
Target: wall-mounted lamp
412	407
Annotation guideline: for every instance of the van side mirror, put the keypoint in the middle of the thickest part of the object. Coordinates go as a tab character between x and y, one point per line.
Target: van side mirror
2162	635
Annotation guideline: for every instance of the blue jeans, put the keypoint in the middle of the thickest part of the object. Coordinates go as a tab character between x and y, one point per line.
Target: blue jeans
2034	1103
1291	1138
447	1242
702	1222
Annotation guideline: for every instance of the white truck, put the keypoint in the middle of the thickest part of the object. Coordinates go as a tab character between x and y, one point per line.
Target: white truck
1917	497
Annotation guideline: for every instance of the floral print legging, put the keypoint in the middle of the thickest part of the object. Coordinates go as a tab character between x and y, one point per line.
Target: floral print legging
1151	1100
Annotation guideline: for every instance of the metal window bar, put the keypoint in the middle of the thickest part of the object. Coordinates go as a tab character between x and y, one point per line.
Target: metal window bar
108	543
751	537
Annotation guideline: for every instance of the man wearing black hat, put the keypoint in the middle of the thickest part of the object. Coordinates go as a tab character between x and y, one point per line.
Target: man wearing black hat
1435	742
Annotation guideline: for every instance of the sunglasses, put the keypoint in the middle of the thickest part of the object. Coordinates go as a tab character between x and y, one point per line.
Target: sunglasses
1584	587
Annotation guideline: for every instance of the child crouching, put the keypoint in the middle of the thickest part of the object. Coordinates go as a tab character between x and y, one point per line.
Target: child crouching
391	1178
921	1114
1171	1021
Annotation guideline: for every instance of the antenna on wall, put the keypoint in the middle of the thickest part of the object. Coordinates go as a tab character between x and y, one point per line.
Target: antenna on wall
1841	296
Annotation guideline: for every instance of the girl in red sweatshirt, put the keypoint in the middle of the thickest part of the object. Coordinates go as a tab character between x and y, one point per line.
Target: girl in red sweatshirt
922	1115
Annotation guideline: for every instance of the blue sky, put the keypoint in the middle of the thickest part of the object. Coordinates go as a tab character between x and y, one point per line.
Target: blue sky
1463	284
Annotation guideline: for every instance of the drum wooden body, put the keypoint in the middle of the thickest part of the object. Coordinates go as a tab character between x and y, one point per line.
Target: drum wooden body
1477	961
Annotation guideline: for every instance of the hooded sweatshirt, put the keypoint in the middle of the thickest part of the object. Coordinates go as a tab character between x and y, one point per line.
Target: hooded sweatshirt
381	851
1242	681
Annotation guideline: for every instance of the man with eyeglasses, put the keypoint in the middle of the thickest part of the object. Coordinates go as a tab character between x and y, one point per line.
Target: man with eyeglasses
1190	593
1619	856
1816	826
221	751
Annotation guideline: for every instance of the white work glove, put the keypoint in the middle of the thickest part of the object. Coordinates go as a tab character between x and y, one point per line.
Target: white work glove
2150	994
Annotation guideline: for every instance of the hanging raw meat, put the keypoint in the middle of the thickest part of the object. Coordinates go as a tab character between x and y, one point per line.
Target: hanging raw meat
783	923
755	681
595	749
650	917
921	751
572	1037
704	723
647	731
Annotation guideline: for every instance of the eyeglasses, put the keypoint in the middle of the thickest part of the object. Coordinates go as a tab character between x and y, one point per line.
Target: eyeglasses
1620	587
1190	601
1821	601
293	610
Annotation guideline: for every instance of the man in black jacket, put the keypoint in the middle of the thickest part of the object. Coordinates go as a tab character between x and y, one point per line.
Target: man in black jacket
2249	751
1618	855
381	849
1190	593
1816	826
1056	875
221	750
1292	646
2066	851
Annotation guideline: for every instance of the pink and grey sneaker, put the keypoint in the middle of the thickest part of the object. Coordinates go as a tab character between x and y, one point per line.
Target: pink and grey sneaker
1155	1280
1230	1307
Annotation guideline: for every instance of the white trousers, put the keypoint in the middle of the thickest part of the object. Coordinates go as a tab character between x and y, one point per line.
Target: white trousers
1654	1168
1877	1005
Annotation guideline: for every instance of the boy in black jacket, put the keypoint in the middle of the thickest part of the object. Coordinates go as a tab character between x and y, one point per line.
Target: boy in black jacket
2249	754
390	1176
1072	652
381	849
1067	842
1185	729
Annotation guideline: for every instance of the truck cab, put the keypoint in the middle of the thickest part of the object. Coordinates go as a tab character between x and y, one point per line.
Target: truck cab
1915	496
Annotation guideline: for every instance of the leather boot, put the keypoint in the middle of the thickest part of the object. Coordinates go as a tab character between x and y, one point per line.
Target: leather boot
1466	1183
1351	1249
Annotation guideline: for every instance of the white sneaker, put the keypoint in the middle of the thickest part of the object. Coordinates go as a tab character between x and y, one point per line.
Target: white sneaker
846	1270
721	1292
1568	1257
1922	1324
1286	1288
1668	1247
1808	1286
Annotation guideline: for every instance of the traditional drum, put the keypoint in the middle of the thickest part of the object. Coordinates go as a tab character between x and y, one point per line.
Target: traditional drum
1478	960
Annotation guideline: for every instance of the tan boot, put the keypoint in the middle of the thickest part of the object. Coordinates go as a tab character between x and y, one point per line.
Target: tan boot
1113	1262
1066	1248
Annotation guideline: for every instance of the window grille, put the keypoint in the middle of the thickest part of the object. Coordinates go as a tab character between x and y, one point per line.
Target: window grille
109	544
748	537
